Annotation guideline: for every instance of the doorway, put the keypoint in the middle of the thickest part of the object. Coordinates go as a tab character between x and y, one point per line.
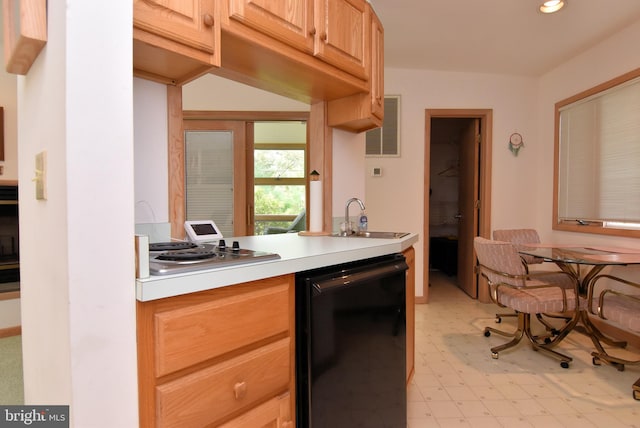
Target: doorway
457	194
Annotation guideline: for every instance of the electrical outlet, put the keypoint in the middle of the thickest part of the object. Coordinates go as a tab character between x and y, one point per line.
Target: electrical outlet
41	176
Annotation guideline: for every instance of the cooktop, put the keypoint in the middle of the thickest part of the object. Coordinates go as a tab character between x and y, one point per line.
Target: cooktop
167	258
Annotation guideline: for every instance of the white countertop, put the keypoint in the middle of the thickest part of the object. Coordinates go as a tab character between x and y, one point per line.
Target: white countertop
297	254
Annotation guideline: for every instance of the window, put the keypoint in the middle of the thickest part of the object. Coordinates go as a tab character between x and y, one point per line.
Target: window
385	141
279	175
597	157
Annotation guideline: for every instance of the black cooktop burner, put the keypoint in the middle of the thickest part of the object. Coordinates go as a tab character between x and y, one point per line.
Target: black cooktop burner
199	254
170	246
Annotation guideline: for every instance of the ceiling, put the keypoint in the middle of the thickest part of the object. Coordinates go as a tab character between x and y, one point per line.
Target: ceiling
495	36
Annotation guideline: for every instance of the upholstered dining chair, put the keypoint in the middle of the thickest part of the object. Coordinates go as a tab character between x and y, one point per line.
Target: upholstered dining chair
517	236
521	237
617	301
511	286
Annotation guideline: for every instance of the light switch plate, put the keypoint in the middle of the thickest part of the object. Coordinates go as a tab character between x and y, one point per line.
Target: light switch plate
41	176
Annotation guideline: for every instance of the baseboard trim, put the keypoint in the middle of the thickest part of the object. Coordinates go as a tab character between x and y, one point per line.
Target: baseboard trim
11	331
9	295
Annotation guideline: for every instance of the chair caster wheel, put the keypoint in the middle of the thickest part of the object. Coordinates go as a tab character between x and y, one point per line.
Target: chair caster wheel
487	333
494	355
564	364
498	320
596	361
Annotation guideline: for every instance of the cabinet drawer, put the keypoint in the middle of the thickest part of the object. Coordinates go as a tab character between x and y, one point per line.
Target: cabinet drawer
206	396
273	413
192	333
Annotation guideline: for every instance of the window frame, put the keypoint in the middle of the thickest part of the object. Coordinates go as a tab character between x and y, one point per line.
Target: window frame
594	226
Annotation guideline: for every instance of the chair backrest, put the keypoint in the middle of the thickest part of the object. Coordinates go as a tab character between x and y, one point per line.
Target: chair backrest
517	237
299	223
499	256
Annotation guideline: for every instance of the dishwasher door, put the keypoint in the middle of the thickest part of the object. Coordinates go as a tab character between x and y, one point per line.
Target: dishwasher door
351	345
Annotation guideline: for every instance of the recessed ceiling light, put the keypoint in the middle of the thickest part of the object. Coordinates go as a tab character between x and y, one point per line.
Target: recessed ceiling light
552	6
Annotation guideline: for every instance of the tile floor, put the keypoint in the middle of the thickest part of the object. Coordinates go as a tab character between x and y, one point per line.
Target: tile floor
458	384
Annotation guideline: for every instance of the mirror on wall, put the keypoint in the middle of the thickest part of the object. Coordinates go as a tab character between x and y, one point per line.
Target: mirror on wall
597	159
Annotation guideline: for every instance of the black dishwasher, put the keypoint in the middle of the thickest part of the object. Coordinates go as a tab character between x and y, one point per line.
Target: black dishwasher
351	345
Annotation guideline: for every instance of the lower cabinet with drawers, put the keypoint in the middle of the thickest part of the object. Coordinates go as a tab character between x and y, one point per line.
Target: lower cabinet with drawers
222	357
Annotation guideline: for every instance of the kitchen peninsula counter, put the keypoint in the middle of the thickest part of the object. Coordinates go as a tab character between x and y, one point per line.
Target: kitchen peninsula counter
297	254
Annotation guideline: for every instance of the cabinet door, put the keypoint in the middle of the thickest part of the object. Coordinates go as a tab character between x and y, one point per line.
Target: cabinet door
189	22
377	67
343	35
290	21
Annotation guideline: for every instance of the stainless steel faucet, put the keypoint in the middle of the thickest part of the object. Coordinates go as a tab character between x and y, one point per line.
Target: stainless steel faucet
347	230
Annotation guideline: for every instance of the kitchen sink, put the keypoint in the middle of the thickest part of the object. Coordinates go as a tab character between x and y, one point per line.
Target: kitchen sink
378	235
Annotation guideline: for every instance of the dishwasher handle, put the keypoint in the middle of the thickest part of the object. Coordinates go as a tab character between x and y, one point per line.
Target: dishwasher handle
350	278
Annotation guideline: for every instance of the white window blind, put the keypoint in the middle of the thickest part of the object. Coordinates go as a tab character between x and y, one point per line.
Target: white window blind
209	178
599	165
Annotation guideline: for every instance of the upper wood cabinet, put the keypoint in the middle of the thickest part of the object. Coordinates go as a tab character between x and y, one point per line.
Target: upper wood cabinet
175	40
377	67
336	31
364	111
308	50
342	38
290	21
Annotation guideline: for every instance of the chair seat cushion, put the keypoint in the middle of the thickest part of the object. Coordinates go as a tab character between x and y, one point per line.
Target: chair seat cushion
621	311
536	300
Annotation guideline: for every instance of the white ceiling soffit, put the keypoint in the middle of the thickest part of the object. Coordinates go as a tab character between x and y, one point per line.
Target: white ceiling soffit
495	36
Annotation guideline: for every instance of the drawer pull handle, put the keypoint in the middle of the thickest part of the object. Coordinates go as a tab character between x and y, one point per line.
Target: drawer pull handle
240	390
208	20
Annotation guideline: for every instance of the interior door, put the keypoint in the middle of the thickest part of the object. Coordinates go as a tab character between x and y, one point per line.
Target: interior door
215	171
468	199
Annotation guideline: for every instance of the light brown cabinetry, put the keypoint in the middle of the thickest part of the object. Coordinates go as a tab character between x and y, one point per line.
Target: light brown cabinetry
343	35
365	110
276	45
308	50
410	258
222	356
290	21
335	31
274	413
175	41
377	67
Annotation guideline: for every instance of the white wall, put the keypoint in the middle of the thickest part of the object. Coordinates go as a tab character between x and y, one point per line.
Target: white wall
150	151
605	61
77	255
395	201
213	93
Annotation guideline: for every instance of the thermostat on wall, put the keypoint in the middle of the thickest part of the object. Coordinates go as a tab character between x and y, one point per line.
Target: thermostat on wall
376	171
202	231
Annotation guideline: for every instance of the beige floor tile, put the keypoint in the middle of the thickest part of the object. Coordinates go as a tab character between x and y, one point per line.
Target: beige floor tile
458	384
